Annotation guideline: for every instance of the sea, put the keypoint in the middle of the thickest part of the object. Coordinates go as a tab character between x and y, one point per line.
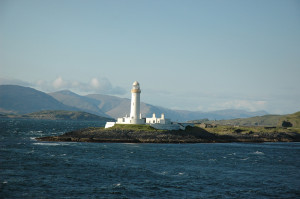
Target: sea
35	169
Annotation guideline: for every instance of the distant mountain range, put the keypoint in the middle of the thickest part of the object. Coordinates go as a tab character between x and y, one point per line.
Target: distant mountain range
59	115
22	100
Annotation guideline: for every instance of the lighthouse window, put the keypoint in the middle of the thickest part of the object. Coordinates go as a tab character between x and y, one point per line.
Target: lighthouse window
133	103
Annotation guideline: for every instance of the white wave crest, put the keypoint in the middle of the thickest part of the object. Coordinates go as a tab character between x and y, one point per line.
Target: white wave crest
46	144
245	159
117	185
258	153
51	143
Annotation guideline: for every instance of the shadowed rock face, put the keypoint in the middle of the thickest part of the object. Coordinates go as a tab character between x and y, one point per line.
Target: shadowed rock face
190	135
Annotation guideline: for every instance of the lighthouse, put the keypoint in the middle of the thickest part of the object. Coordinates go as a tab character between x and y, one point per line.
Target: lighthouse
135	115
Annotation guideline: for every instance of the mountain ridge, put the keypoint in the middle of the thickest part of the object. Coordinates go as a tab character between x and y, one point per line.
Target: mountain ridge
22	100
83	103
99	104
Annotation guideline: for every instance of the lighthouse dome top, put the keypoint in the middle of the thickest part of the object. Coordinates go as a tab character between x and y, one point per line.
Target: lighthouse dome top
135	87
136	83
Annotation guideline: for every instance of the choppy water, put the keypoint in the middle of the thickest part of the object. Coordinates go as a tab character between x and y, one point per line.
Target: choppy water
33	169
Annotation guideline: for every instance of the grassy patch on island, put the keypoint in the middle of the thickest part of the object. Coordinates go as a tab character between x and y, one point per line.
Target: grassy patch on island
133	127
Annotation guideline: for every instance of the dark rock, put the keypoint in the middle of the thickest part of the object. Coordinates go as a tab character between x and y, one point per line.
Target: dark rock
286	124
190	135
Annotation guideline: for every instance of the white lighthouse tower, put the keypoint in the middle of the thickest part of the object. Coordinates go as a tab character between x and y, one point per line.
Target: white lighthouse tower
135	116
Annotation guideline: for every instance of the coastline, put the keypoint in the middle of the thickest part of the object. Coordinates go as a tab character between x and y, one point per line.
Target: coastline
190	135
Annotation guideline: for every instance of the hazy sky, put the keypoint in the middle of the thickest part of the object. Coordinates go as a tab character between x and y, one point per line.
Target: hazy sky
187	54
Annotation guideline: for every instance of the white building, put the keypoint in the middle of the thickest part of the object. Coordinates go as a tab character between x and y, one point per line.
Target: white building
155	120
136	117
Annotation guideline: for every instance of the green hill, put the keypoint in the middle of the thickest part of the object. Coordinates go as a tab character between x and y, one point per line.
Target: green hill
266	120
294	119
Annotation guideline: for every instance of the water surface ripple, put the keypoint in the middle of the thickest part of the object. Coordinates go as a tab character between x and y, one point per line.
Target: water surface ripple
33	169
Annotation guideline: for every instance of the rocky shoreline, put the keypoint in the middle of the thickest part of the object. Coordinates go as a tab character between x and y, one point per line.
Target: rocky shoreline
190	135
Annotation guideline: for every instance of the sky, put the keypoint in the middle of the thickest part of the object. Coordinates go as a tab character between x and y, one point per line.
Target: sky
186	54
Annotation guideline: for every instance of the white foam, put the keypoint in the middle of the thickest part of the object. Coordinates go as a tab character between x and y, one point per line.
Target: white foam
132	144
245	159
258	153
30	152
164	173
48	144
33	132
117	185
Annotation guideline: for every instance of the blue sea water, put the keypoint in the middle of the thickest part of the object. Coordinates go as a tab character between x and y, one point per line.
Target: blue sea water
34	169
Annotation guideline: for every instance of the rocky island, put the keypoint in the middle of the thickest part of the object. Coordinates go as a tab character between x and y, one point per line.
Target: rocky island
136	129
147	134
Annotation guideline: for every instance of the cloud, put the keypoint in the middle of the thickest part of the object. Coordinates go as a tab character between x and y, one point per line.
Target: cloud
103	85
95	85
59	83
7	81
250	105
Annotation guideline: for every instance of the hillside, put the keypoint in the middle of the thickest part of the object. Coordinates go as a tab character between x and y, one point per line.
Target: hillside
266	120
59	115
81	102
111	105
22	100
294	119
117	107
